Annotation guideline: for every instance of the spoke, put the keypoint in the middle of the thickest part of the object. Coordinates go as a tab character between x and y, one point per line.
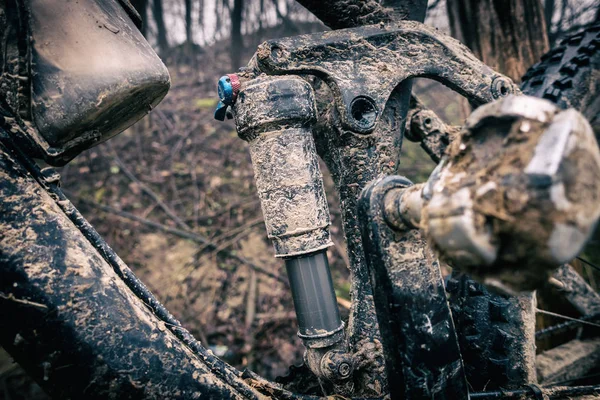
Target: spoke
597	268
562	382
581	321
563	327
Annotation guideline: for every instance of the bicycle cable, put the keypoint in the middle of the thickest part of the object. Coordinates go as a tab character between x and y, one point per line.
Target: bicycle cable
597	268
581	321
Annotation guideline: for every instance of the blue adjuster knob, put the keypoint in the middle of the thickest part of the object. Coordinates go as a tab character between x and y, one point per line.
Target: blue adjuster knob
228	89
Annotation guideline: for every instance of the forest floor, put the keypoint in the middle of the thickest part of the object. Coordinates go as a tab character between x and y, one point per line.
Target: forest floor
182	170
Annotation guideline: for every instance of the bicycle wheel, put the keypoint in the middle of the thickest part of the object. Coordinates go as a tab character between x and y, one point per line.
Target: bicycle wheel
490	326
493	334
569	75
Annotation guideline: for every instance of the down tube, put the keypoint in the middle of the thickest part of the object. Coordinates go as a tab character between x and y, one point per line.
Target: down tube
71	321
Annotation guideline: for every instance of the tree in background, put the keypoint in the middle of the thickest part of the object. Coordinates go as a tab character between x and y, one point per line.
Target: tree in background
564	16
507	35
161	30
511	35
191	24
237	44
188	22
142	8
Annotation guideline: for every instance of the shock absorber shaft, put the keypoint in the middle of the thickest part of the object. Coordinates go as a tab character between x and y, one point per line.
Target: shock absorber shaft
314	297
275	116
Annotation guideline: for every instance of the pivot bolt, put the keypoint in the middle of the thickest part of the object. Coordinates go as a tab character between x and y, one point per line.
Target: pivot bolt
337	365
364	113
344	370
502	87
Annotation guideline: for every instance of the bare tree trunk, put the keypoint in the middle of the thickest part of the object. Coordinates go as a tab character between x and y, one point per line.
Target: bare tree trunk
218	23
507	35
290	26
188	22
262	12
201	18
161	30
142	8
237	45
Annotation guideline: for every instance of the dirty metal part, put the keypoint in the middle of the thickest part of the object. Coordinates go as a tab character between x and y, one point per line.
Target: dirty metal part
420	345
274	115
351	13
403	207
300	379
577	291
319	322
337	365
364	65
76	86
517	194
434	136
354	161
332	365
81	326
568	361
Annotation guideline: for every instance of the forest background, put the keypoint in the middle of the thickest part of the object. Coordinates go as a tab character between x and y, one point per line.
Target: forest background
174	194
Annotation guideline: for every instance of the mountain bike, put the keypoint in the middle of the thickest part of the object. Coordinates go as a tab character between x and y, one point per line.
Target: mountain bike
80	322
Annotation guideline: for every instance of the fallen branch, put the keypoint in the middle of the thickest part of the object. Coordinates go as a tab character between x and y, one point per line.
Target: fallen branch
242	204
233	235
275	316
181	233
344	303
146	189
249	338
341	251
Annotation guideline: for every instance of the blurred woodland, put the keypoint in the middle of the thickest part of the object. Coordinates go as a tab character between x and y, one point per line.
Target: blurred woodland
174	194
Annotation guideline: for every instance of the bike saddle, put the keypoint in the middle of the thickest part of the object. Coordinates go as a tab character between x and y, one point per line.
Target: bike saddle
75	74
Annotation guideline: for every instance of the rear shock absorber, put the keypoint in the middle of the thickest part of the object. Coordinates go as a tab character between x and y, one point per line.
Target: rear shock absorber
275	116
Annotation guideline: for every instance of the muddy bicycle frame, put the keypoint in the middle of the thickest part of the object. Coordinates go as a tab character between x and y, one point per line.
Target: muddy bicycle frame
83	326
